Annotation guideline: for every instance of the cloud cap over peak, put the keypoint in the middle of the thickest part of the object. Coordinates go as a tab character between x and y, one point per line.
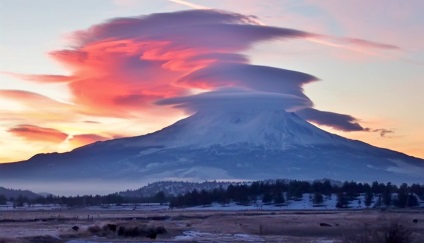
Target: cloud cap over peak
237	99
139	67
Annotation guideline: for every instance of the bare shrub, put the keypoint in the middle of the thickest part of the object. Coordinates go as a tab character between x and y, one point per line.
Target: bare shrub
7	240
127	230
393	232
40	239
94	229
135	231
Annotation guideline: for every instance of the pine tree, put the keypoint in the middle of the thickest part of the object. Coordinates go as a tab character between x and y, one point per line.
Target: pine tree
279	198
3	200
160	197
368	198
387	196
318	198
402	198
266	198
412	201
342	201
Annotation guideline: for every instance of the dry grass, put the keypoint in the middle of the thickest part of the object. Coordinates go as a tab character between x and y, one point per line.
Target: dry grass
294	226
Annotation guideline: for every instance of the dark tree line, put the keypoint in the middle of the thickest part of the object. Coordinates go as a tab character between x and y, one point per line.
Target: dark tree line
277	192
82	201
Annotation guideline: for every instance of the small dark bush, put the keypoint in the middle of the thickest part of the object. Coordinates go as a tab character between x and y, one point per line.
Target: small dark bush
111	227
94	229
396	233
161	230
391	233
41	239
130	231
7	240
143	231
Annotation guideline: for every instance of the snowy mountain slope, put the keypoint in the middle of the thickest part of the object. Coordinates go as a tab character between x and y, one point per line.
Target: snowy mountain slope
270	129
230	145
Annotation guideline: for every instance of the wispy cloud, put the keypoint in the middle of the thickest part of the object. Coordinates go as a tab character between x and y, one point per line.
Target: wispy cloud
189	4
36	133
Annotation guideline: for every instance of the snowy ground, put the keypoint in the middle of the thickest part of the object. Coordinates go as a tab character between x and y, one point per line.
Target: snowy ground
202	236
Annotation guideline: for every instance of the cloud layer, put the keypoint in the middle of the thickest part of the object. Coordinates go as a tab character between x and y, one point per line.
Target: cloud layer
36	133
143	66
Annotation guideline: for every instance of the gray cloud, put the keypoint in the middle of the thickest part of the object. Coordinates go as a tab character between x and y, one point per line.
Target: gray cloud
260	78
236	99
337	121
383	132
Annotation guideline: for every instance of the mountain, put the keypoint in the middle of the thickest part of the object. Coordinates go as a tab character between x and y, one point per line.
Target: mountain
215	145
173	188
12	193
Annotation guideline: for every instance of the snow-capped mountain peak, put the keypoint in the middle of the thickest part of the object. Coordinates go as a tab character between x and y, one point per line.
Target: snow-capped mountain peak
270	129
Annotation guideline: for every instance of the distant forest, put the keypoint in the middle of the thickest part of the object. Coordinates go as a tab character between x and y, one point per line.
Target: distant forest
277	192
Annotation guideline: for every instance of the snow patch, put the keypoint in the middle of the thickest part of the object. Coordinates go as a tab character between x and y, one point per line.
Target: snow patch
217	237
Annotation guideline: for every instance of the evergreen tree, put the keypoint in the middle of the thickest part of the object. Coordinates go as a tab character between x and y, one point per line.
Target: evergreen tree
160	197
401	200
3	200
318	198
412	201
279	198
387	195
267	198
342	201
204	198
20	201
368	198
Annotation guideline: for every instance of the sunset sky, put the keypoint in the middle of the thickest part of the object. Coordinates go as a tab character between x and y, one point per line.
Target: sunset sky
73	72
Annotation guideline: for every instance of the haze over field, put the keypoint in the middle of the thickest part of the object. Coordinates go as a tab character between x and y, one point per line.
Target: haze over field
124	68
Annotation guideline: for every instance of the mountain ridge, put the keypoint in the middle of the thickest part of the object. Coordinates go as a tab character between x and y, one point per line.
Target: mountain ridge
247	144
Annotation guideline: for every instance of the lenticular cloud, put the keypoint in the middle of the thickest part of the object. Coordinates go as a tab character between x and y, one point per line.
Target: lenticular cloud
128	66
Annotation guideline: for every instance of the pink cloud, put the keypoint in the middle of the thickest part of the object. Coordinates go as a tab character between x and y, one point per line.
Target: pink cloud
36	133
119	68
126	66
40	78
371	20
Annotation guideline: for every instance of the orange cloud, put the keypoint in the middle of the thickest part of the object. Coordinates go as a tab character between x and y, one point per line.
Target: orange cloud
35	108
84	139
30	98
36	133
